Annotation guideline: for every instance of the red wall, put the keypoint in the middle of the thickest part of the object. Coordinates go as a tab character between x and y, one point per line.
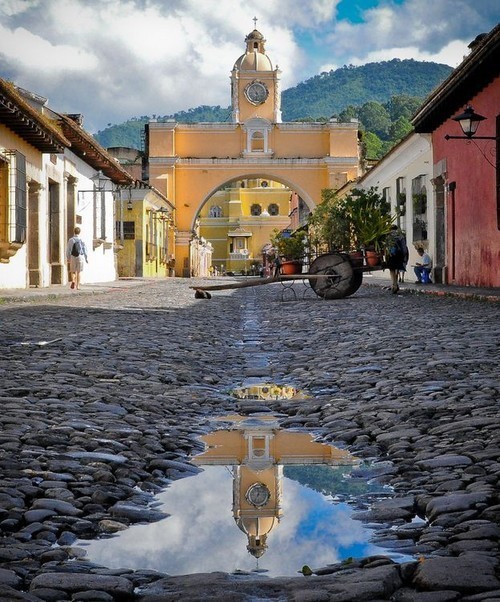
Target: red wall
473	235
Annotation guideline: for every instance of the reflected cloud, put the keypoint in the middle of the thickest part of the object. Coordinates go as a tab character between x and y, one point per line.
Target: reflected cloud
242	512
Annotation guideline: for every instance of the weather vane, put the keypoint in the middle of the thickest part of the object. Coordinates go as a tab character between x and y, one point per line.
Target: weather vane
254	22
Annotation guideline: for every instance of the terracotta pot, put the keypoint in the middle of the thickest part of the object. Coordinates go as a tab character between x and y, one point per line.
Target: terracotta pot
356	258
372	258
289	268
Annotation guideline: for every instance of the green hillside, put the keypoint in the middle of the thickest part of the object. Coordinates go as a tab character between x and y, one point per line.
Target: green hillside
329	93
383	96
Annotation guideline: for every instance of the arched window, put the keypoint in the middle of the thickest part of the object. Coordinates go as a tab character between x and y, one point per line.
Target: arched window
273	209
255	209
215	211
257	132
257	141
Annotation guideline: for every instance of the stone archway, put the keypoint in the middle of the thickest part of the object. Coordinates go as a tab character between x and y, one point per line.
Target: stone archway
188	162
188	182
246	176
239	219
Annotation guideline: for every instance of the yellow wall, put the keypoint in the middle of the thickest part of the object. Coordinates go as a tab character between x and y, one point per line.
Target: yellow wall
139	257
221	143
236	203
190	162
293	143
195	183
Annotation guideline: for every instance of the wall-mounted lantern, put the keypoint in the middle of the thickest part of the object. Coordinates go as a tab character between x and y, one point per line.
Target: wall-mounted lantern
469	121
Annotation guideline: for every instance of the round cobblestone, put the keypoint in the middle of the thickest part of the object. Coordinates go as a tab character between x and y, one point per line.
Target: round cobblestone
104	396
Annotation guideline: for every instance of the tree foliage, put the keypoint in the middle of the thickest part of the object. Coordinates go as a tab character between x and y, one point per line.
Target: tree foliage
329	93
375	118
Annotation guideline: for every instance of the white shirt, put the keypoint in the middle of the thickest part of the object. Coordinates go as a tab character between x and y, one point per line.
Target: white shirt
425	261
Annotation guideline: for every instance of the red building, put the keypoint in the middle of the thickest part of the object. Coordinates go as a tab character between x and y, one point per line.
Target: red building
465	170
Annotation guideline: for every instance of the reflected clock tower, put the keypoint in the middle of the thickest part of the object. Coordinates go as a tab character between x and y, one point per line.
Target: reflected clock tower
257	450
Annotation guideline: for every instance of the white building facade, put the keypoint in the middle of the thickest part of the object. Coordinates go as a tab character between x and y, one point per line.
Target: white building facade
404	178
53	177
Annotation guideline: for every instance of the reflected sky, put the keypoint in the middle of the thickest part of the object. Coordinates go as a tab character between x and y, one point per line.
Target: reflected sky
201	534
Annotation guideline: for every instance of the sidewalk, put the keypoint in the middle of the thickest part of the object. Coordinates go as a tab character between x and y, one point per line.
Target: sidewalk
440	290
17	295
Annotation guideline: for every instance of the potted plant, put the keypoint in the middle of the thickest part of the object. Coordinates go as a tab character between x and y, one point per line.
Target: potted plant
371	222
357	224
290	248
420	203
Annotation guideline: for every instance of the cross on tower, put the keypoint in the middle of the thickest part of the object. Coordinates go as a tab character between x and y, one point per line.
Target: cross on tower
254	22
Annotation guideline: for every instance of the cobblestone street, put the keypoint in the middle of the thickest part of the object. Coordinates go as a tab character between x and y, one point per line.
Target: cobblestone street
104	396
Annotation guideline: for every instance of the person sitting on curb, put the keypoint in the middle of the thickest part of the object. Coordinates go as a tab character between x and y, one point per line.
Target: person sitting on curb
423	267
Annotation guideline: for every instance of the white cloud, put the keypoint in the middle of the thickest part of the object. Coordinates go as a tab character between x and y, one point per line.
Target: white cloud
452	54
33	52
419	29
118	59
14	7
201	534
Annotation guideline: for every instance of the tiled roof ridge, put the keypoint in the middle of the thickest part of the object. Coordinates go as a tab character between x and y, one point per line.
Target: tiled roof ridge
9	90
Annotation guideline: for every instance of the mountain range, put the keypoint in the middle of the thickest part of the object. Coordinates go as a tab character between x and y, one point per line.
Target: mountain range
346	92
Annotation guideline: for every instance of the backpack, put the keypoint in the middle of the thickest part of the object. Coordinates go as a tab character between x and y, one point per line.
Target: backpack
398	247
76	251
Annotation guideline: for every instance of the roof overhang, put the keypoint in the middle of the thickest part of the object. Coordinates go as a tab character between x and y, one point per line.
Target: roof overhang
30	125
88	149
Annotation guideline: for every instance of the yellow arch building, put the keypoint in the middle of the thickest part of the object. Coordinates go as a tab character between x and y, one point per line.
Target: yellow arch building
190	163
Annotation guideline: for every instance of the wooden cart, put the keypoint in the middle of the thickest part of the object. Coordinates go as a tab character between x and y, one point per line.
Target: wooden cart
330	276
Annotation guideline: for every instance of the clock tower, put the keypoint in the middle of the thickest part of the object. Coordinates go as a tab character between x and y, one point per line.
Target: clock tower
255	85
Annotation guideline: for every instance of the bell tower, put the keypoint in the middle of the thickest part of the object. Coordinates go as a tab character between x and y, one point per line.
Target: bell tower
255	85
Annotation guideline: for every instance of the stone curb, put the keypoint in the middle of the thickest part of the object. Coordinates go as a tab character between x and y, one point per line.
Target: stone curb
472	295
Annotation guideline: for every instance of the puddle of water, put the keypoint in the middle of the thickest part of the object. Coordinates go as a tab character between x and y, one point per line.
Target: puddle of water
267	500
267	391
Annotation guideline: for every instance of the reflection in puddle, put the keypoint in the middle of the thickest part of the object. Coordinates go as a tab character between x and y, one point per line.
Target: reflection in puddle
282	490
267	391
257	451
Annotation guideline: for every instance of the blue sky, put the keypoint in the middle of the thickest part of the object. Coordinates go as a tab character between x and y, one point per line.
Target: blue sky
354	10
115	59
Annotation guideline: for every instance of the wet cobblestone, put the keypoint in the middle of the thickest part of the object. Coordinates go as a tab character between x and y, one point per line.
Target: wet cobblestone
103	396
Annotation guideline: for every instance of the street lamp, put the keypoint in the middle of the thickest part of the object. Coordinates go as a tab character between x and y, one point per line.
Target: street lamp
101	185
469	121
162	214
101	182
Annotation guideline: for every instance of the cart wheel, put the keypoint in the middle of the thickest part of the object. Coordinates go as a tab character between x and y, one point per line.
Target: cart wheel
343	280
356	282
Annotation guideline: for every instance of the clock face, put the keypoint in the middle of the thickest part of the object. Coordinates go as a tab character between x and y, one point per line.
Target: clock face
256	93
258	494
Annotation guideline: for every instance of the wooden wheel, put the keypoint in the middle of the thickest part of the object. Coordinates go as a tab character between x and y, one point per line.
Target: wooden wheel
356	282
343	279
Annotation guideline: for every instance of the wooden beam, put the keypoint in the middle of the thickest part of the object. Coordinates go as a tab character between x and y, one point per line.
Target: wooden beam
259	282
